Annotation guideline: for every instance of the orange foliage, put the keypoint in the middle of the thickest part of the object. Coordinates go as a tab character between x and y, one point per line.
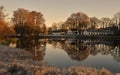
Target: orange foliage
5	31
77	21
26	21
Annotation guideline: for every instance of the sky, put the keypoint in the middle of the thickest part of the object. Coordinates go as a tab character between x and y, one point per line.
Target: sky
60	10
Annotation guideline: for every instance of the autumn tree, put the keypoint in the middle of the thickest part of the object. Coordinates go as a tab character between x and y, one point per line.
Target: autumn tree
27	22
5	31
59	26
94	22
71	22
63	27
54	26
36	19
43	29
49	30
78	21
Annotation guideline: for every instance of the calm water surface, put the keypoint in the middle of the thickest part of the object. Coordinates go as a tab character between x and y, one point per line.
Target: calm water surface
64	53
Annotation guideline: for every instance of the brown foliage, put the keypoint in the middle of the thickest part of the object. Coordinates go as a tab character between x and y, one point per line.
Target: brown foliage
94	22
5	31
26	21
78	21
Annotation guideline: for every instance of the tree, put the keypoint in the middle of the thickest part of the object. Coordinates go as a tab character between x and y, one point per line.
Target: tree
71	23
49	30
2	13
5	31
94	22
116	19
20	17
63	27
27	22
43	29
54	26
78	21
36	19
106	22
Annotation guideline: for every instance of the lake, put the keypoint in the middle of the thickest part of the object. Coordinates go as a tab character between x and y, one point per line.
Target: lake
64	53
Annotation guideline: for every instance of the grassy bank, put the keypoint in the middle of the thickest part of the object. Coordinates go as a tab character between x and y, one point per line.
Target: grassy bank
25	69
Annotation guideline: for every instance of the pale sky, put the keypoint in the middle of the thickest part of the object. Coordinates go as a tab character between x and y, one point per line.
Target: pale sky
60	10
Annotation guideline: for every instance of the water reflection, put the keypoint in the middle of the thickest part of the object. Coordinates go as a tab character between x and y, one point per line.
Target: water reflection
36	46
69	52
80	49
39	50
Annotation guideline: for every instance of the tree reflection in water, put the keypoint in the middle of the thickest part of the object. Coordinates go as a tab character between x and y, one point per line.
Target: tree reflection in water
36	46
80	49
77	49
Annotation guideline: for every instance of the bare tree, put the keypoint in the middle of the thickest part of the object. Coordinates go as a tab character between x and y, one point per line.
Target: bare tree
2	13
94	22
116	19
106	22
